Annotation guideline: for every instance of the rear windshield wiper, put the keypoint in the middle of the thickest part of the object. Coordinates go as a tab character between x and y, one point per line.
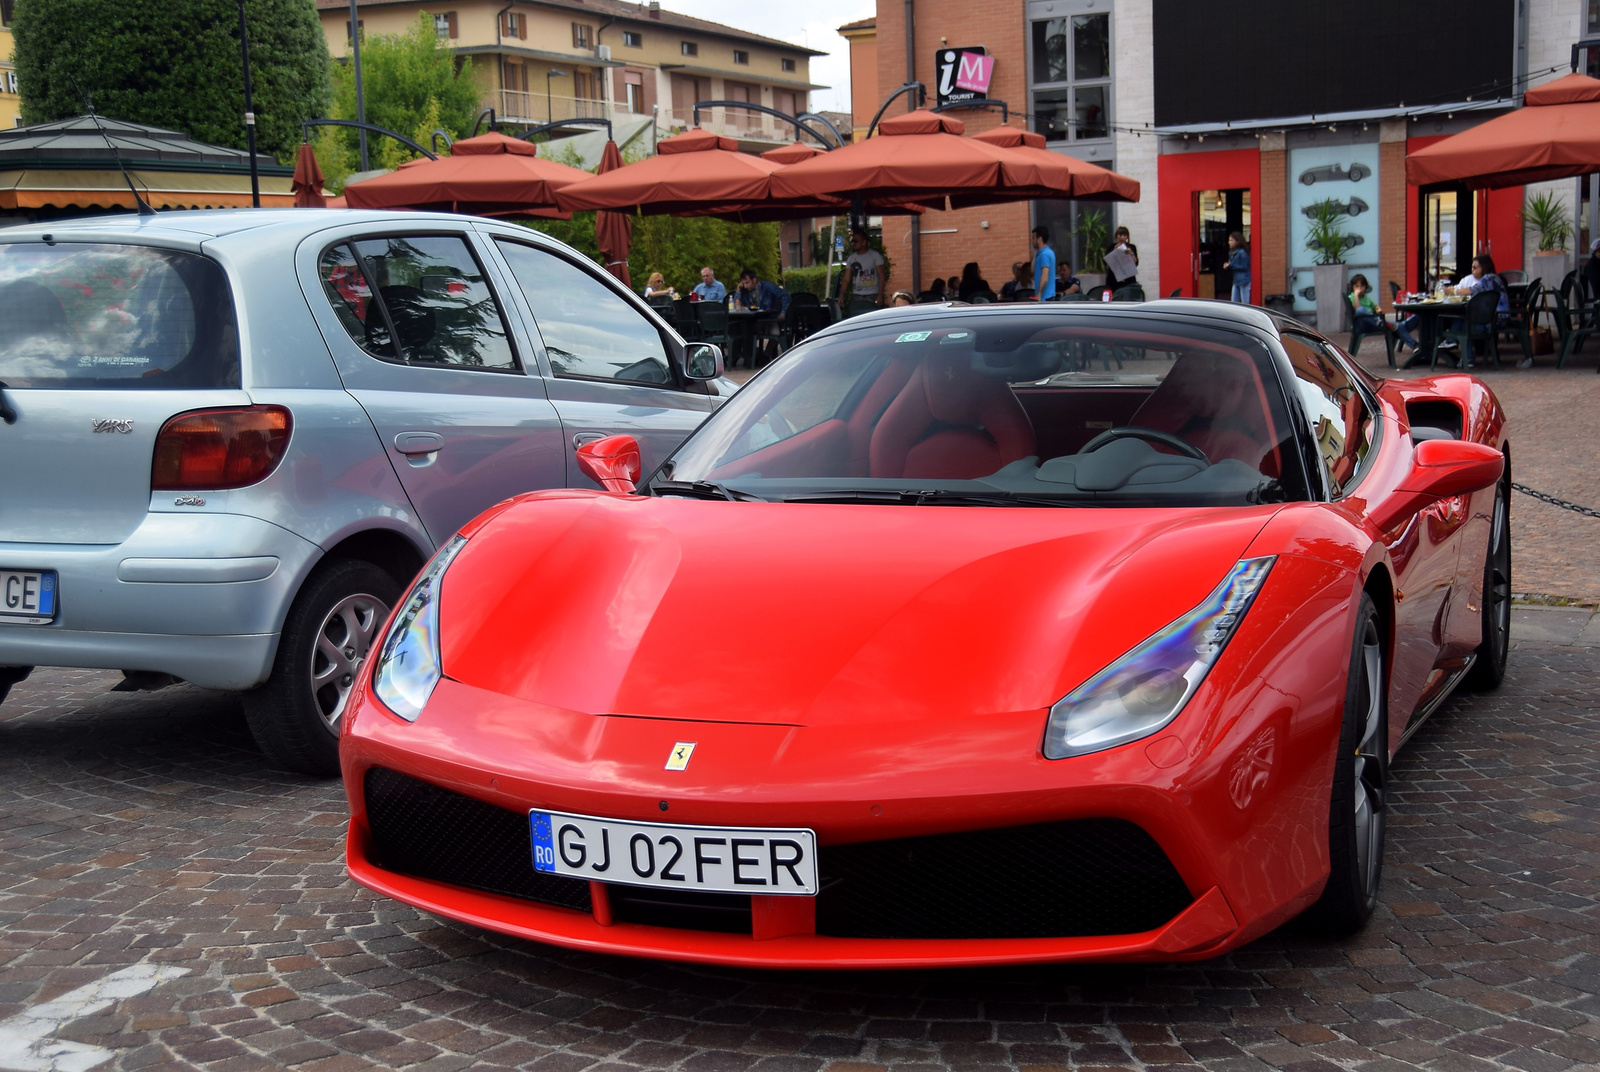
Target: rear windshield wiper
932	497
703	489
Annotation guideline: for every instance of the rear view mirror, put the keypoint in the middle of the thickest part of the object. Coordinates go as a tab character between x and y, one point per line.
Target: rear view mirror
612	462
1440	469
702	361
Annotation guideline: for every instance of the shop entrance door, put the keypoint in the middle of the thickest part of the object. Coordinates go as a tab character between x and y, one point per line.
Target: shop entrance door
1219	214
1448	234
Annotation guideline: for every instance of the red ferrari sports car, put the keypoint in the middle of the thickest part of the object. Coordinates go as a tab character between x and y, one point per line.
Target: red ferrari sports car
960	635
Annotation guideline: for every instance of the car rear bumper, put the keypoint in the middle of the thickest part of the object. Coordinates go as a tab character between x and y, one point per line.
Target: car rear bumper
212	662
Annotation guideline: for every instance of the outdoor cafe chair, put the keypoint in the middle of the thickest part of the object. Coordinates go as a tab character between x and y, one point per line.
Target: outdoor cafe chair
1480	321
1131	292
684	319
1177	292
1575	320
712	319
1356	336
1519	320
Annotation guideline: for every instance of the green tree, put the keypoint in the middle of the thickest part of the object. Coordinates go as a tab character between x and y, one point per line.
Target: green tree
175	64
412	85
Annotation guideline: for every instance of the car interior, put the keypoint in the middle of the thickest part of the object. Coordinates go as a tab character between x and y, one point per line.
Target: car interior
1121	412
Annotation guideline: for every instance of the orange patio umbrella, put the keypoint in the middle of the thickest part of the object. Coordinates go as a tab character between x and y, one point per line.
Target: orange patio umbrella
1554	135
691	171
613	231
490	175
307	181
1088	182
775	208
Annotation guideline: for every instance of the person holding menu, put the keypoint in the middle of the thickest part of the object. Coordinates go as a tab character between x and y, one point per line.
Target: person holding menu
1122	260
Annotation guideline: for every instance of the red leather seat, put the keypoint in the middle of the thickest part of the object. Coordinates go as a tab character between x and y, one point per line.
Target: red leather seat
949	423
1215	402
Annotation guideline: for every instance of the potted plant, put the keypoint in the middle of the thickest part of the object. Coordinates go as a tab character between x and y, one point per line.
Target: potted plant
1092	231
1328	241
1545	215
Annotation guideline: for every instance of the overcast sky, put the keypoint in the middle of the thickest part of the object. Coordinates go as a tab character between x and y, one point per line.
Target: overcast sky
814	23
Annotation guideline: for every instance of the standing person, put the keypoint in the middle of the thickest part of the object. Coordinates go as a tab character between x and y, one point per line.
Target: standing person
1044	265
710	289
866	276
1121	239
1239	265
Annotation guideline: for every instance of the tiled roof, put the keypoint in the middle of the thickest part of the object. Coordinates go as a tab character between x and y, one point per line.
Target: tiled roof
617	9
860	24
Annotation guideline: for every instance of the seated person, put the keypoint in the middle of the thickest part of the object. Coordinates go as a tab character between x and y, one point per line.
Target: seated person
902	297
658	285
1591	271
710	288
1069	284
972	282
1366	315
765	298
1484	278
1021	279
934	293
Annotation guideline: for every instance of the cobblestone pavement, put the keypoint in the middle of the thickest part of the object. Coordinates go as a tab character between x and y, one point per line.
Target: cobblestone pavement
145	829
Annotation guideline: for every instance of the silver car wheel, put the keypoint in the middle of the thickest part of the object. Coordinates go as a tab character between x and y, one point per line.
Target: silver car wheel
1368	768
342	642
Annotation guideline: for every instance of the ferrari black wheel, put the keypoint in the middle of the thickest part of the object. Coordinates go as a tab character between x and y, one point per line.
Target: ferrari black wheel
1359	806
1489	668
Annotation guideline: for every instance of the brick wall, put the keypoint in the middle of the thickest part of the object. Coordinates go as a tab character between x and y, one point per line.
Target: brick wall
997	25
1270	225
1396	234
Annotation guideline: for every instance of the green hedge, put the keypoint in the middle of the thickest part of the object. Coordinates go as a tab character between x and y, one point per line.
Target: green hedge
812	279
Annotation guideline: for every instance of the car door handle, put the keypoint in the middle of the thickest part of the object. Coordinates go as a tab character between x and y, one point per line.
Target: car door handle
418	442
580	438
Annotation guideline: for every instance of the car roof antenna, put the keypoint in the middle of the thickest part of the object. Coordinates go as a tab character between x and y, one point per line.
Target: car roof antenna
144	206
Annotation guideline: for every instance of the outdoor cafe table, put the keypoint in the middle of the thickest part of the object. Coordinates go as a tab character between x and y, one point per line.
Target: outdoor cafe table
742	327
1430	312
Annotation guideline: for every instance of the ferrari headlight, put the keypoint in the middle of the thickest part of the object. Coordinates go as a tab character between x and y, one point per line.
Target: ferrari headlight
408	662
1146	688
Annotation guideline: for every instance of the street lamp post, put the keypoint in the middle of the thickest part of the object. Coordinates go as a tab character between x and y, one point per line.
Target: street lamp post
549	107
355	60
249	113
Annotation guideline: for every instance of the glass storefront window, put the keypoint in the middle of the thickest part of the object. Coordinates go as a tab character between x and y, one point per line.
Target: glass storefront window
1071	74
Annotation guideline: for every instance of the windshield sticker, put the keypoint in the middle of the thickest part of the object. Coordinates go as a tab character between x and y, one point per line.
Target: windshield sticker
914	336
96	362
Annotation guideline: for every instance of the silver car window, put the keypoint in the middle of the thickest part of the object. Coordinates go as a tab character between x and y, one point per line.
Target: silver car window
589	331
432	304
119	316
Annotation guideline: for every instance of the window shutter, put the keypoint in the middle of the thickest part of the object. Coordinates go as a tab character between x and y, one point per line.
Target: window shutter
522	27
451	17
505	25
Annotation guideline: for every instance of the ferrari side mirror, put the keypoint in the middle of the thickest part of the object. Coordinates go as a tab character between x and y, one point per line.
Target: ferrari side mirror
702	361
1440	468
612	462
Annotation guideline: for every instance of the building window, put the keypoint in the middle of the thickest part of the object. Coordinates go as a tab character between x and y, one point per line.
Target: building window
11	81
788	66
361	24
445	24
741	56
632	40
1592	8
515	25
1072	77
688	48
582	35
6	7
635	93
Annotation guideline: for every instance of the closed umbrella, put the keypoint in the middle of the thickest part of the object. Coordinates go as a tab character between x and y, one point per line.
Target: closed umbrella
1554	135
490	175
307	181
613	231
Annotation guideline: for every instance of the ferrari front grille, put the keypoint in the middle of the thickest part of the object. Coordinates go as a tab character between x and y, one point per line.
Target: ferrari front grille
422	830
1074	878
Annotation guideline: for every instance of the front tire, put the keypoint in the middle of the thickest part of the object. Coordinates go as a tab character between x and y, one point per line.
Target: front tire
1358	811
332	625
1489	669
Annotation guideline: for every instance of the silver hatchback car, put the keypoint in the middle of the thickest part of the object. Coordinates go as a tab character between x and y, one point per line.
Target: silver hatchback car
230	439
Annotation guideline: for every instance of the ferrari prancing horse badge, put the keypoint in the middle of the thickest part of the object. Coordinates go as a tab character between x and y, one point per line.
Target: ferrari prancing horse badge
678	759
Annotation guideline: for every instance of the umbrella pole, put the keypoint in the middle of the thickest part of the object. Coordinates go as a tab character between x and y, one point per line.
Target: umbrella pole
833	226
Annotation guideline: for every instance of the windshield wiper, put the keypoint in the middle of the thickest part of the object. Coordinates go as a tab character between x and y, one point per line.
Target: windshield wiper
702	489
932	497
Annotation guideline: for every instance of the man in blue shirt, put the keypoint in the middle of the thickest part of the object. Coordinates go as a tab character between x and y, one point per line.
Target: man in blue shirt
1044	265
709	289
768	300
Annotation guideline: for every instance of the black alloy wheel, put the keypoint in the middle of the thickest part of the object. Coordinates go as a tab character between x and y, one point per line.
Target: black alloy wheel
1489	669
1359	806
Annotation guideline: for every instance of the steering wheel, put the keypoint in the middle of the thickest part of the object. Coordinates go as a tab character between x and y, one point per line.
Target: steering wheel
1134	431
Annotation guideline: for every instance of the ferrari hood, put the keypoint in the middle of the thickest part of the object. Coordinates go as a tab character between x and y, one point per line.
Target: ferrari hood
808	614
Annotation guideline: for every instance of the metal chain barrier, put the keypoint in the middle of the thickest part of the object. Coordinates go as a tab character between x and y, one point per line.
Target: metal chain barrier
1553	501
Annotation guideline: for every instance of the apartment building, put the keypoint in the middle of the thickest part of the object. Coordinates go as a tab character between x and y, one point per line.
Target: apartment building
547	60
10	103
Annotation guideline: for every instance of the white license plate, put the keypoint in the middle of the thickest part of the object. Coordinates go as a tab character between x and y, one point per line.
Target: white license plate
709	859
27	597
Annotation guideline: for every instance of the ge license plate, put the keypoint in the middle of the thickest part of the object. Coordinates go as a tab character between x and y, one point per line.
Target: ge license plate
27	597
710	859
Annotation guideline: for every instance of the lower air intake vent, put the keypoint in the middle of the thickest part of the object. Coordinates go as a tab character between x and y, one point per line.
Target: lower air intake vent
1053	880
420	829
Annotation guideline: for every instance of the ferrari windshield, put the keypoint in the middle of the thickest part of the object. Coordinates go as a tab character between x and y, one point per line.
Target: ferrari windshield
1047	407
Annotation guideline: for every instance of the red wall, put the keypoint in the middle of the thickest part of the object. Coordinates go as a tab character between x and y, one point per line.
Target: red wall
1496	220
1179	177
